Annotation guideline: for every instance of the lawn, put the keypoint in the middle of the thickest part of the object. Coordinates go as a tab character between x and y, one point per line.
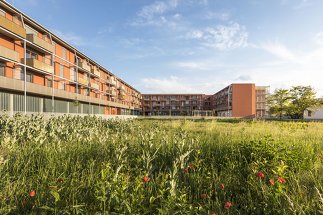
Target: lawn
75	165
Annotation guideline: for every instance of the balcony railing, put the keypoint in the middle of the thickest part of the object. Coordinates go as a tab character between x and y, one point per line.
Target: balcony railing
40	42
96	72
121	88
112	82
39	65
95	86
13	27
85	66
83	81
8	53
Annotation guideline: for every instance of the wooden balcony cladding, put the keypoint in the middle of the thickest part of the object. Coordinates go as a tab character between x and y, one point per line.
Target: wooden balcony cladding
96	72
12	27
9	53
83	81
40	42
95	86
85	66
39	65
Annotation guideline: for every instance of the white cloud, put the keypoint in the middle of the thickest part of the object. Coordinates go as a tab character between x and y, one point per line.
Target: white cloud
172	84
223	16
222	37
154	14
279	50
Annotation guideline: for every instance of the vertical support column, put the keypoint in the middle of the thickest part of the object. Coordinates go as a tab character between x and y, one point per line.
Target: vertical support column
68	107
53	81
11	104
41	105
25	77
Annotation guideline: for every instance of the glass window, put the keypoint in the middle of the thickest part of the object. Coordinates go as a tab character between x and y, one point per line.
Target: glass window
31	54
49	82
29	76
2	69
64	53
61	70
17	73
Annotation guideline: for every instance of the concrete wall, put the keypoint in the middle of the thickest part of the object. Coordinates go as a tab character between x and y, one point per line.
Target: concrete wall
313	114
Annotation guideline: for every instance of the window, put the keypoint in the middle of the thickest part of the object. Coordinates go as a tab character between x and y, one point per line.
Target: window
61	70
64	53
17	73
309	113
2	69
29	76
62	86
49	82
31	54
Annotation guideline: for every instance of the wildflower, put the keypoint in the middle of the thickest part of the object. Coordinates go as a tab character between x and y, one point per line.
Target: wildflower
191	166
227	205
272	182
213	213
145	179
221	186
32	193
281	180
204	196
185	169
60	180
260	174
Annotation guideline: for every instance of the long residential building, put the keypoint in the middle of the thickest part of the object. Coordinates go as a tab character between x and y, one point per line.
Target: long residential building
40	72
235	100
174	104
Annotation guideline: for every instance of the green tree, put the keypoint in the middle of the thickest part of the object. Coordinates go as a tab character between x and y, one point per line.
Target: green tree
279	102
302	97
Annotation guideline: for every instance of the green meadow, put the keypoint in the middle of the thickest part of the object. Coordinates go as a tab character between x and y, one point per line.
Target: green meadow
75	165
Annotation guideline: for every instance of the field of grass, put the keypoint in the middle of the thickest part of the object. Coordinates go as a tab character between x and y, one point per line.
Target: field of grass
74	165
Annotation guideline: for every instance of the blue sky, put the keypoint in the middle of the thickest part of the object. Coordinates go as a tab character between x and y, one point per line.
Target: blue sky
193	46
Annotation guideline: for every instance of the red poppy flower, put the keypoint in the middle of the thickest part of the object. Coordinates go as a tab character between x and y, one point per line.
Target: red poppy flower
213	213
260	174
272	182
32	193
221	186
227	205
145	179
281	180
185	170
204	196
191	166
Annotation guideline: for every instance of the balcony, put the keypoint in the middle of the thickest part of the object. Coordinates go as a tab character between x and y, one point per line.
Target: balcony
121	88
95	86
40	42
83	81
13	27
85	66
39	65
112	82
122	97
96	72
8	53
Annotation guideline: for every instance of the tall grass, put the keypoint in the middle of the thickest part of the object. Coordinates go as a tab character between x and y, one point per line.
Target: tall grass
75	165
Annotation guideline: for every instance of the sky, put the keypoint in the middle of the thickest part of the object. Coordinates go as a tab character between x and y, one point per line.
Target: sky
193	46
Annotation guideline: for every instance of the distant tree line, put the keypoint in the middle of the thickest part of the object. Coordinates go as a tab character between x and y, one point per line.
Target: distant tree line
291	103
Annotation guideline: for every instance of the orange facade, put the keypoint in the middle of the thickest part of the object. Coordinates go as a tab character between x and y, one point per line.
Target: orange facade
243	100
50	62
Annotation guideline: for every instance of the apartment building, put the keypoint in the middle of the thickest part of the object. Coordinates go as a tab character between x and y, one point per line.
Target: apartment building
40	72
235	100
173	104
241	100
